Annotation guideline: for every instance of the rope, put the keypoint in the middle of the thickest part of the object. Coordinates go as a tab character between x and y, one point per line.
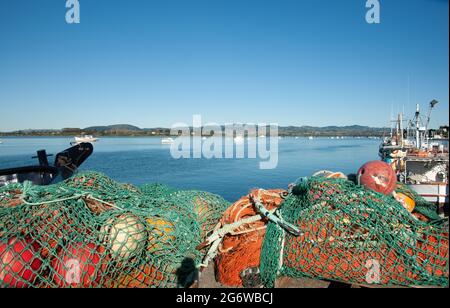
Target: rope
216	238
271	216
76	196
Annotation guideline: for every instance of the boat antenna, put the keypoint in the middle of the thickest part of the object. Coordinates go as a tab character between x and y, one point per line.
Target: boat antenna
391	120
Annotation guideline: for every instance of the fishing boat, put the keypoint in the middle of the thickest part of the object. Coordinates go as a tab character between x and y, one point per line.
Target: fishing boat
85	139
311	138
167	141
65	165
420	162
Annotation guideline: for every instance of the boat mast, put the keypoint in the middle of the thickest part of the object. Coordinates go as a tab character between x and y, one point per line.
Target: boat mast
417	122
400	127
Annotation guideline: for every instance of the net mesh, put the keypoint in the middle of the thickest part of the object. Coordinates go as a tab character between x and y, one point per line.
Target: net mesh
91	231
354	235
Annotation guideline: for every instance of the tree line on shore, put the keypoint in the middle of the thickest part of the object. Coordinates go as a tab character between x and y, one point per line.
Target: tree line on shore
130	130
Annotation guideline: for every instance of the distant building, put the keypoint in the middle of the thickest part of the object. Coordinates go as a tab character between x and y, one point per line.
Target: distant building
441	132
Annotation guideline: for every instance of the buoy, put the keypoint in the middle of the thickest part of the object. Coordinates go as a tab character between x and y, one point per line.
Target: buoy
162	233
407	202
77	265
19	262
125	236
378	176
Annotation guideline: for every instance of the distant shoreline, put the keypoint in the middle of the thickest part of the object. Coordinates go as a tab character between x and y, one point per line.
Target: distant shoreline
126	130
162	136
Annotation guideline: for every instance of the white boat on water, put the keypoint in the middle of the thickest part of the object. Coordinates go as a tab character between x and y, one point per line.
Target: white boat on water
310	137
239	139
85	138
167	141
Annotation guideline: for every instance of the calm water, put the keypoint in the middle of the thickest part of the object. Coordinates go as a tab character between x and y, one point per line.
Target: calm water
145	160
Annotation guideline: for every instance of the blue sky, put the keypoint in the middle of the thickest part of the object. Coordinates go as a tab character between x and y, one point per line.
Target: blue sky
156	62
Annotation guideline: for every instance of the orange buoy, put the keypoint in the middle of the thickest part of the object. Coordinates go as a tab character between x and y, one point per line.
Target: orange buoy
378	176
407	202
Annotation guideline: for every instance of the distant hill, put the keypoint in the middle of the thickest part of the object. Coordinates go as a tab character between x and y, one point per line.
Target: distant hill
131	130
113	128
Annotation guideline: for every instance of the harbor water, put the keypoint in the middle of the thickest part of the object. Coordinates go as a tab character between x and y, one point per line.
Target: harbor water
139	160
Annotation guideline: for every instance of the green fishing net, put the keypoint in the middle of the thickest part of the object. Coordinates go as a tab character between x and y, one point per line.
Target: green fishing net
91	231
422	206
353	235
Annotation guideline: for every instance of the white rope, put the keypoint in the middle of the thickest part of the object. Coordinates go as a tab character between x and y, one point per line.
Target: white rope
104	202
216	238
51	201
280	261
77	196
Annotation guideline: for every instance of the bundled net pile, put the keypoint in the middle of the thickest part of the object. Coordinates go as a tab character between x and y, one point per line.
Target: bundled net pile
90	231
354	235
240	248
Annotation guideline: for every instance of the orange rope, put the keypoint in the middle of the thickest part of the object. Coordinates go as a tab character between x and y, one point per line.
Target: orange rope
241	248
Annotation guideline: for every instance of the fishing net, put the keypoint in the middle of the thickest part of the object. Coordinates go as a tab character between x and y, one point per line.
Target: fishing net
349	234
240	248
90	231
156	190
423	210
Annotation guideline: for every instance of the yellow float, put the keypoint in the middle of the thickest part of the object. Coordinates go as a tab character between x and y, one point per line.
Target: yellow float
161	234
407	202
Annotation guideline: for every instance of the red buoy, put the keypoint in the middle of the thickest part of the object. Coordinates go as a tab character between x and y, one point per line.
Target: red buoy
378	176
19	262
77	265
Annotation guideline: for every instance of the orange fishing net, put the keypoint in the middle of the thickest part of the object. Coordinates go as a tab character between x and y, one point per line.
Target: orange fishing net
241	249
